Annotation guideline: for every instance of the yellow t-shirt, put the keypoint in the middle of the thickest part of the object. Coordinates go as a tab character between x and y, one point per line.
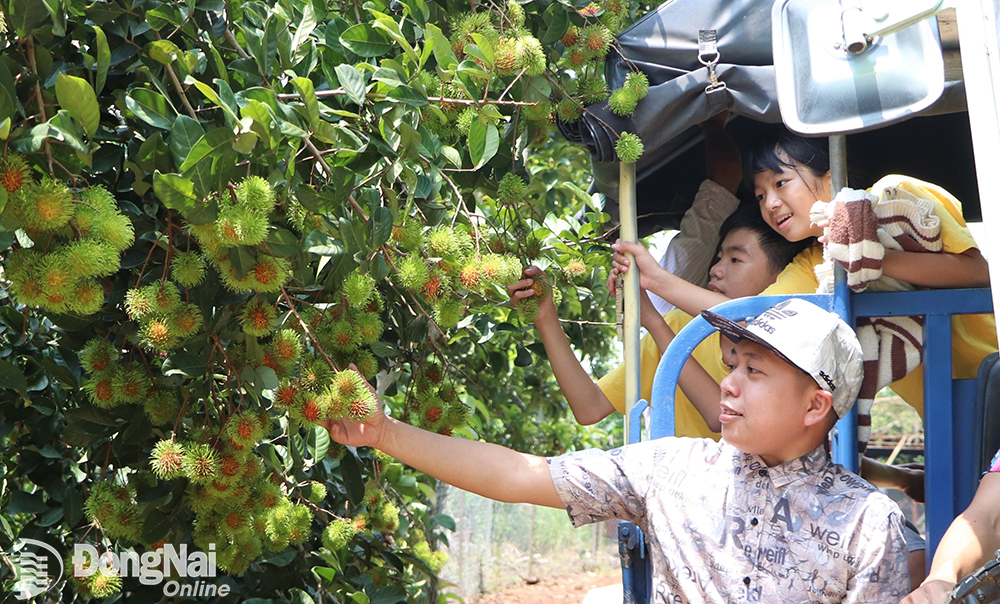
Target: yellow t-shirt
973	336
688	422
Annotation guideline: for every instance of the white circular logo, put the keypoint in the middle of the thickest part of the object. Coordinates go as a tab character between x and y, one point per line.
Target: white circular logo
32	564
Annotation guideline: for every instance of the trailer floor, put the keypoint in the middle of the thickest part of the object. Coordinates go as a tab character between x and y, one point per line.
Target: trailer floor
602	587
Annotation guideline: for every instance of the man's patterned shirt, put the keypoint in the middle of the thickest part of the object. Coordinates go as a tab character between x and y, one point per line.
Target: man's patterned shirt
722	527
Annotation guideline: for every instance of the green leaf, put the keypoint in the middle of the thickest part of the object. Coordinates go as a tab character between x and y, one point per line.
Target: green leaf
443	53
300	597
282	242
213	96
156	527
13	378
184	364
72	506
163	51
557	18
184	135
360	597
8	93
175	191
77	97
392	594
354	482
92	415
209	145
353	83
321	244
366	41
243	260
484	140
25	15
50	517
103	58
308	94
63	129
25	503
266	378
410	96
57	10
319	442
280	559
305	26
445	521
151	107
380	223
523	358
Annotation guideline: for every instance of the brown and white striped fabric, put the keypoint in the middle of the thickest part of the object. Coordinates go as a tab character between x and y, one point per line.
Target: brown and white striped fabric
861	227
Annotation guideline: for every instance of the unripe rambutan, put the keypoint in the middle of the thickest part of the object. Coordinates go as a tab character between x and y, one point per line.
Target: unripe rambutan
200	463
101	390
336	451
369	327
592	90
413	272
258	318
362	407
571	37
338	534
463	123
185	320
386	518
139	303
253	468
105	583
457	414
87	297
569	110
468	24
97	355
256	194
448	311
14	172
342	335
161	407
346	385
527	309
314	491
91	258
270	273
577	57
637	83
240	225
366	363
300	520
512	189
314	373
629	148
236	522
432	412
409	235
230	469
244	428
287	346
435	285
165	297
167	459
188	269
506	57
268	494
48	205
156	333
574	270
470	277
284	396
57	274
532	56
441	241
596	38
622	101
358	289
311	409
130	384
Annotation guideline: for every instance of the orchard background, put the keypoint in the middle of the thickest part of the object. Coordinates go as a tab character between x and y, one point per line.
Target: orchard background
210	210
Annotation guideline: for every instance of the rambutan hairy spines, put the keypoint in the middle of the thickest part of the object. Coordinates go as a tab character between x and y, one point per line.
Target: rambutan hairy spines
101	390
48	205
511	189
200	463
167	459
188	269
14	172
629	148
622	101
448	312
413	271
240	225
338	534
575	270
97	355
90	258
346	385
245	429
441	241
369	327
161	407
185	320
87	297
130	384
637	83
258	318
358	288
256	193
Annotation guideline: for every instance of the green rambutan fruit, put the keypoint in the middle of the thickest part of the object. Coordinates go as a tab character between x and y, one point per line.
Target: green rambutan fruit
540	112
531	55
366	363
14	172
236	522
245	429
569	110
105	583
130	384
592	90
629	148
596	39
314	373
258	318
431	413
637	83
448	311
161	407
188	269
167	459
156	333
57	274
97	355
358	289
230	469
369	327
300	519
185	320
200	463
284	396
100	503
253	468
22	263
512	189
270	273
463	123
91	258
165	297
457	414
506	56
256	194
441	241
409	235
386	519
311	409
472	23
267	494
338	534
571	37
361	408
575	270
286	346
314	491
87	297
413	272
139	303
577	57
346	385
527	309
435	286
343	336
515	14
470	276
48	205
336	451
622	102
101	391
240	225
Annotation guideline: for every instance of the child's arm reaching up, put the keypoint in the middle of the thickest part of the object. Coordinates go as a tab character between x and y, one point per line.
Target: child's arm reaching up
482	468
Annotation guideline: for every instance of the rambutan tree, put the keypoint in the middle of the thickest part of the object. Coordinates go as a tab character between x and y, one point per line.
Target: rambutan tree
219	219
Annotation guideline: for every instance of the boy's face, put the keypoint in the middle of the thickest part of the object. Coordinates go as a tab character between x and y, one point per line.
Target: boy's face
764	404
742	268
785	198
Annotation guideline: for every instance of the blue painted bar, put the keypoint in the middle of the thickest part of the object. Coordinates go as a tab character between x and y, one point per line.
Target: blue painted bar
927	302
635	421
939	432
966	457
844	448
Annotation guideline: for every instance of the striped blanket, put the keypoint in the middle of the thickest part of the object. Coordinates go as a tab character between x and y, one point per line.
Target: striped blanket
861	227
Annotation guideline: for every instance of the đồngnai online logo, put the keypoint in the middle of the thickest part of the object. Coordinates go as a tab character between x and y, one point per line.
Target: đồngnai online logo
176	564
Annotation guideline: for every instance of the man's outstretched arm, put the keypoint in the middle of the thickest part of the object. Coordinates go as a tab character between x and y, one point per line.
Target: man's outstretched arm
482	468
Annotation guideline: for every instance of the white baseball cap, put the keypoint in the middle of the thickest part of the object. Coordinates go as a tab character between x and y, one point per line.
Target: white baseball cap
804	335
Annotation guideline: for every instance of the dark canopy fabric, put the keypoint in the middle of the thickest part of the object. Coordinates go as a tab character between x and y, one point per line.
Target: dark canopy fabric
664	45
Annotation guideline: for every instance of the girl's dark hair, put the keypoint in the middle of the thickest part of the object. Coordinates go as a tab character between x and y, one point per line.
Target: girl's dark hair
778	250
762	154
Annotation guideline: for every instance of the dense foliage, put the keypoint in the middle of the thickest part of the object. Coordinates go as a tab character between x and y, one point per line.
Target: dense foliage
210	210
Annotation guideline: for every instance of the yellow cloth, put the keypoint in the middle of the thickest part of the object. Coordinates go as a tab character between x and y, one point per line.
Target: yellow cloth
973	337
688	422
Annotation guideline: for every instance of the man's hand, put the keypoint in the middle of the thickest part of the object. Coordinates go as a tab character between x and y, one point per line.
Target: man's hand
519	290
932	591
912	481
648	266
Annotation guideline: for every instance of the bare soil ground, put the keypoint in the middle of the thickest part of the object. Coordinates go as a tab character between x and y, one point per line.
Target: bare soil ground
568	589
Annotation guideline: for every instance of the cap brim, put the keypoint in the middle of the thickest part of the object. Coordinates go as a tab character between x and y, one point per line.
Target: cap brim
736	332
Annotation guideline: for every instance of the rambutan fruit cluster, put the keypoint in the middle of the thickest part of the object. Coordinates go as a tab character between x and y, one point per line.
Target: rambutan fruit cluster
164	320
629	148
623	101
110	384
319	395
434	403
111	505
84	240
527	308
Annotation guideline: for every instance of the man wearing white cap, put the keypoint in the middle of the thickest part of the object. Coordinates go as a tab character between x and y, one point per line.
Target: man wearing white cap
762	516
